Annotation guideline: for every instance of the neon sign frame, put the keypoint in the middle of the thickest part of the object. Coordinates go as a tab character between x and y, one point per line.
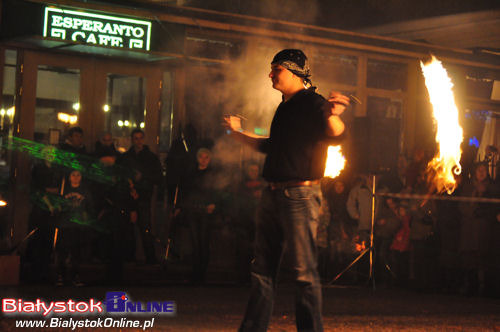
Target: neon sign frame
97	29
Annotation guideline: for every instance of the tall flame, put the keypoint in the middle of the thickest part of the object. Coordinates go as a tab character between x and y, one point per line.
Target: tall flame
449	134
335	161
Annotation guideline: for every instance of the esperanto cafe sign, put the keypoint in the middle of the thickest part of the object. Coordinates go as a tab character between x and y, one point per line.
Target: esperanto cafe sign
97	29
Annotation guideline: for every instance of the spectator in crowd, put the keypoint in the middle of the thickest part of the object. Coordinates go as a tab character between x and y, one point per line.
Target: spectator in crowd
147	176
72	235
387	224
105	144
400	247
448	228
73	152
198	203
493	274
46	182
415	168
424	245
249	193
341	227
477	225
395	179
359	206
116	207
74	141
491	158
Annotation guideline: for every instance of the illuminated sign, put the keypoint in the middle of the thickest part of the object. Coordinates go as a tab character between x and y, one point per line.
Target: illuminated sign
97	29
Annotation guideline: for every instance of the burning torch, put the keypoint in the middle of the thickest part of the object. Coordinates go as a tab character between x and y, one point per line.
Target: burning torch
335	161
449	134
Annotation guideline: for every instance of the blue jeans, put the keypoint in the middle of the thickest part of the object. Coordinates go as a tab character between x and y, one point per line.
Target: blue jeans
286	222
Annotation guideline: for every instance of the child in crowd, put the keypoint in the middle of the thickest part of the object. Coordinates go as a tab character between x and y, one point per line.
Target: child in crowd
72	230
400	247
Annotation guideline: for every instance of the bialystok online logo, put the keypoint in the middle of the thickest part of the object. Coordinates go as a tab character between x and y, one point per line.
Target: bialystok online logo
115	303
119	302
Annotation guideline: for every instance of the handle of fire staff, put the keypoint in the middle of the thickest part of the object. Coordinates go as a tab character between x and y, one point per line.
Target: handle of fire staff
372	277
171	227
15	249
56	229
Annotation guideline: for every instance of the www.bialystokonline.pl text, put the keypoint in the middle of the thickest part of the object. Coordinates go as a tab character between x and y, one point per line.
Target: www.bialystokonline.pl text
81	323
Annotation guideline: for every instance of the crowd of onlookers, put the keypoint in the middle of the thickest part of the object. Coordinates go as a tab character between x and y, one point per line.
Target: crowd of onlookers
97	207
91	206
423	243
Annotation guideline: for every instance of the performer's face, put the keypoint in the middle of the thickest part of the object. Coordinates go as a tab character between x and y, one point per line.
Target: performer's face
281	77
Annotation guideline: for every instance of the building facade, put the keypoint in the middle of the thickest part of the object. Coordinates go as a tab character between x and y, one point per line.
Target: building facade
111	68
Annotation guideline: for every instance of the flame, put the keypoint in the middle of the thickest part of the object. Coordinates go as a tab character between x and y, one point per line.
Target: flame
449	134
335	162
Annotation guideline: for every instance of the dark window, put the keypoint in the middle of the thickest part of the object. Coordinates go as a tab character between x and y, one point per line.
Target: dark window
387	75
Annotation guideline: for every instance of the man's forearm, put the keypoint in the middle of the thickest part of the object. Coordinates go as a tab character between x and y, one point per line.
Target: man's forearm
335	125
247	138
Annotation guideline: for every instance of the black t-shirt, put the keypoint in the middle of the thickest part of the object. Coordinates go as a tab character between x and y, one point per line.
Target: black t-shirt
297	146
77	206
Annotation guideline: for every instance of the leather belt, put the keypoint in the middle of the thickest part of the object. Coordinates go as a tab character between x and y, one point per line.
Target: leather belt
289	184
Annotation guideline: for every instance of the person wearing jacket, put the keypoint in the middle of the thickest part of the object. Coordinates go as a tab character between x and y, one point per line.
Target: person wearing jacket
147	177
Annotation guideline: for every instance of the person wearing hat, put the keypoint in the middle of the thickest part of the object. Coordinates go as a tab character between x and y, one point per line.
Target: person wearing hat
303	126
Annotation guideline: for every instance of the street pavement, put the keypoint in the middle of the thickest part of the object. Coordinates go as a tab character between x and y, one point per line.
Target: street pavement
220	306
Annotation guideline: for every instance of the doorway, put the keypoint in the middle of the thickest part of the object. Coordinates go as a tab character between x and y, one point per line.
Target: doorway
59	91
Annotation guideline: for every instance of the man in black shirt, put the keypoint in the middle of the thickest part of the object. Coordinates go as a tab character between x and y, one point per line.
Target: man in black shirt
302	128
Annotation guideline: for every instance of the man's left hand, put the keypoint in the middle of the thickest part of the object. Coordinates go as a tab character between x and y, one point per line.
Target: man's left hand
338	103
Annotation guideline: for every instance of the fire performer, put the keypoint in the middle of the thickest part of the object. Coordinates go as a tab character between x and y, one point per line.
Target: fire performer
303	126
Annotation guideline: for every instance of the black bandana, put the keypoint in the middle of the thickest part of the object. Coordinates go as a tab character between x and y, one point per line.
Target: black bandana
295	61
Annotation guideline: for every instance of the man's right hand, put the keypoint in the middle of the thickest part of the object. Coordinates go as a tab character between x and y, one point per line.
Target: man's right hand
233	123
